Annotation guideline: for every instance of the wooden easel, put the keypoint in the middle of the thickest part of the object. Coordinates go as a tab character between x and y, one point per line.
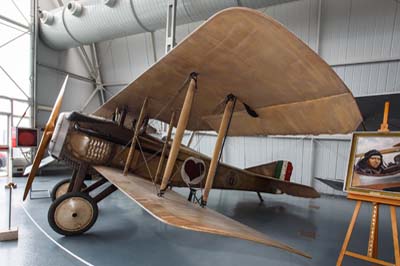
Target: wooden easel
376	201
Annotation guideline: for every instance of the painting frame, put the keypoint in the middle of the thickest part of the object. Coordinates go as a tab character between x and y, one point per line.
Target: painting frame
352	184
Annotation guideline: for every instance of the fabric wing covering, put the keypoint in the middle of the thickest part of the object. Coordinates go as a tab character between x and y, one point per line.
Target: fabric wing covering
175	210
243	52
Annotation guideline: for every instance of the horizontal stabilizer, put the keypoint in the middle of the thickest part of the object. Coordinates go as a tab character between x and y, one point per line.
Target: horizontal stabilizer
333	183
290	188
175	210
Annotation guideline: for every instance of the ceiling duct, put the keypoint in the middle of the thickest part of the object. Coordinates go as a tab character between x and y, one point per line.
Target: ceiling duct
90	21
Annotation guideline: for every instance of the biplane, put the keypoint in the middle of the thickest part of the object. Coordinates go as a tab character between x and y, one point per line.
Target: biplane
240	73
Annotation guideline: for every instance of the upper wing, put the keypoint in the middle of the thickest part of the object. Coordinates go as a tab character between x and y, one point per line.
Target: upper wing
246	53
175	210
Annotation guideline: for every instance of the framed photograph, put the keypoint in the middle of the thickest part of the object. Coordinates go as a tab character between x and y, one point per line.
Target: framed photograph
374	164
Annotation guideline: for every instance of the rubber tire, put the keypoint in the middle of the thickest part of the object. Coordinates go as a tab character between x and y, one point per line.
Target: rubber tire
55	204
58	185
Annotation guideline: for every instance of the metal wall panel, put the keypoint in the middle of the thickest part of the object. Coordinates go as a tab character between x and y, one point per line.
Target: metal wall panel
106	61
300	17
244	152
330	161
121	60
371	79
358	29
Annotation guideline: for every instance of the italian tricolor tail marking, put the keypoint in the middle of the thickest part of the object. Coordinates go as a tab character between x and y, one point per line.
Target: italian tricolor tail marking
283	170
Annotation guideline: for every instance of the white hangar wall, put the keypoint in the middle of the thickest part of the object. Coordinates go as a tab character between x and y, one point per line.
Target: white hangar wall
361	39
311	156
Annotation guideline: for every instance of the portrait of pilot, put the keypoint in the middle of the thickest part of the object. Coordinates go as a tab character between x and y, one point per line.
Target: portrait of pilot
370	164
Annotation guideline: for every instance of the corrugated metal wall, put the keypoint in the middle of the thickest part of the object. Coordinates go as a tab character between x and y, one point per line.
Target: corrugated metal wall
359	38
311	156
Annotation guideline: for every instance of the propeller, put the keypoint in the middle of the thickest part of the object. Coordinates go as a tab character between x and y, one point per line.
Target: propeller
46	137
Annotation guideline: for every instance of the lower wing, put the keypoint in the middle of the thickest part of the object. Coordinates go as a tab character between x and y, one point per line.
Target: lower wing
175	210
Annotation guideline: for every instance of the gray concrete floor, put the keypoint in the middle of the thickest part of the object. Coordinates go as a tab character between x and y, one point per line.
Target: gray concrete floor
126	235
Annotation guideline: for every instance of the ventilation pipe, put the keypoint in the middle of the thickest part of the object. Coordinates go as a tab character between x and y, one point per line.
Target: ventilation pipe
89	21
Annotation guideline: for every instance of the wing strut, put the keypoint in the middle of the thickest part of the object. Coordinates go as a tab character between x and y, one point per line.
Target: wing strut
180	129
134	138
222	132
167	140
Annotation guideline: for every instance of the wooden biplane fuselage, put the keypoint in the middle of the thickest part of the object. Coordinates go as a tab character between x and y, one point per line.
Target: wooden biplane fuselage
240	74
79	138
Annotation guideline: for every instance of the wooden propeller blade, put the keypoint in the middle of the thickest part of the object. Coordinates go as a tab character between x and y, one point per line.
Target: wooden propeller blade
47	134
57	106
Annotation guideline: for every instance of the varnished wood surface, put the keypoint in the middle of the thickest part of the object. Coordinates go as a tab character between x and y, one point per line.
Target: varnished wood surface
348	234
395	234
267	169
180	130
227	177
366	258
373	240
373	198
246	53
223	129
135	136
175	210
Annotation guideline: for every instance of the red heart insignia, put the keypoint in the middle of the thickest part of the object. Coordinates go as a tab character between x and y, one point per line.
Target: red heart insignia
193	169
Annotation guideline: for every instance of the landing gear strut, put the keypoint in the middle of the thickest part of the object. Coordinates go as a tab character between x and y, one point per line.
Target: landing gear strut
61	188
73	210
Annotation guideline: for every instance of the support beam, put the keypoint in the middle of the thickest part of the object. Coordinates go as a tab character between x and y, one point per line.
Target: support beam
34	28
191	138
134	139
373	232
99	79
395	233
162	157
260	197
87	62
223	129
180	129
72	75
13	39
89	99
95	185
15	83
171	26
14	22
105	193
80	177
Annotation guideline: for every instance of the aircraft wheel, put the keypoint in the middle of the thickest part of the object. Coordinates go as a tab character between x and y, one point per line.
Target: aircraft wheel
61	188
73	213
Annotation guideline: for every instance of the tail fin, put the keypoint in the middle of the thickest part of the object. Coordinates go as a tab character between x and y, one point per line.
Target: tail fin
279	169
